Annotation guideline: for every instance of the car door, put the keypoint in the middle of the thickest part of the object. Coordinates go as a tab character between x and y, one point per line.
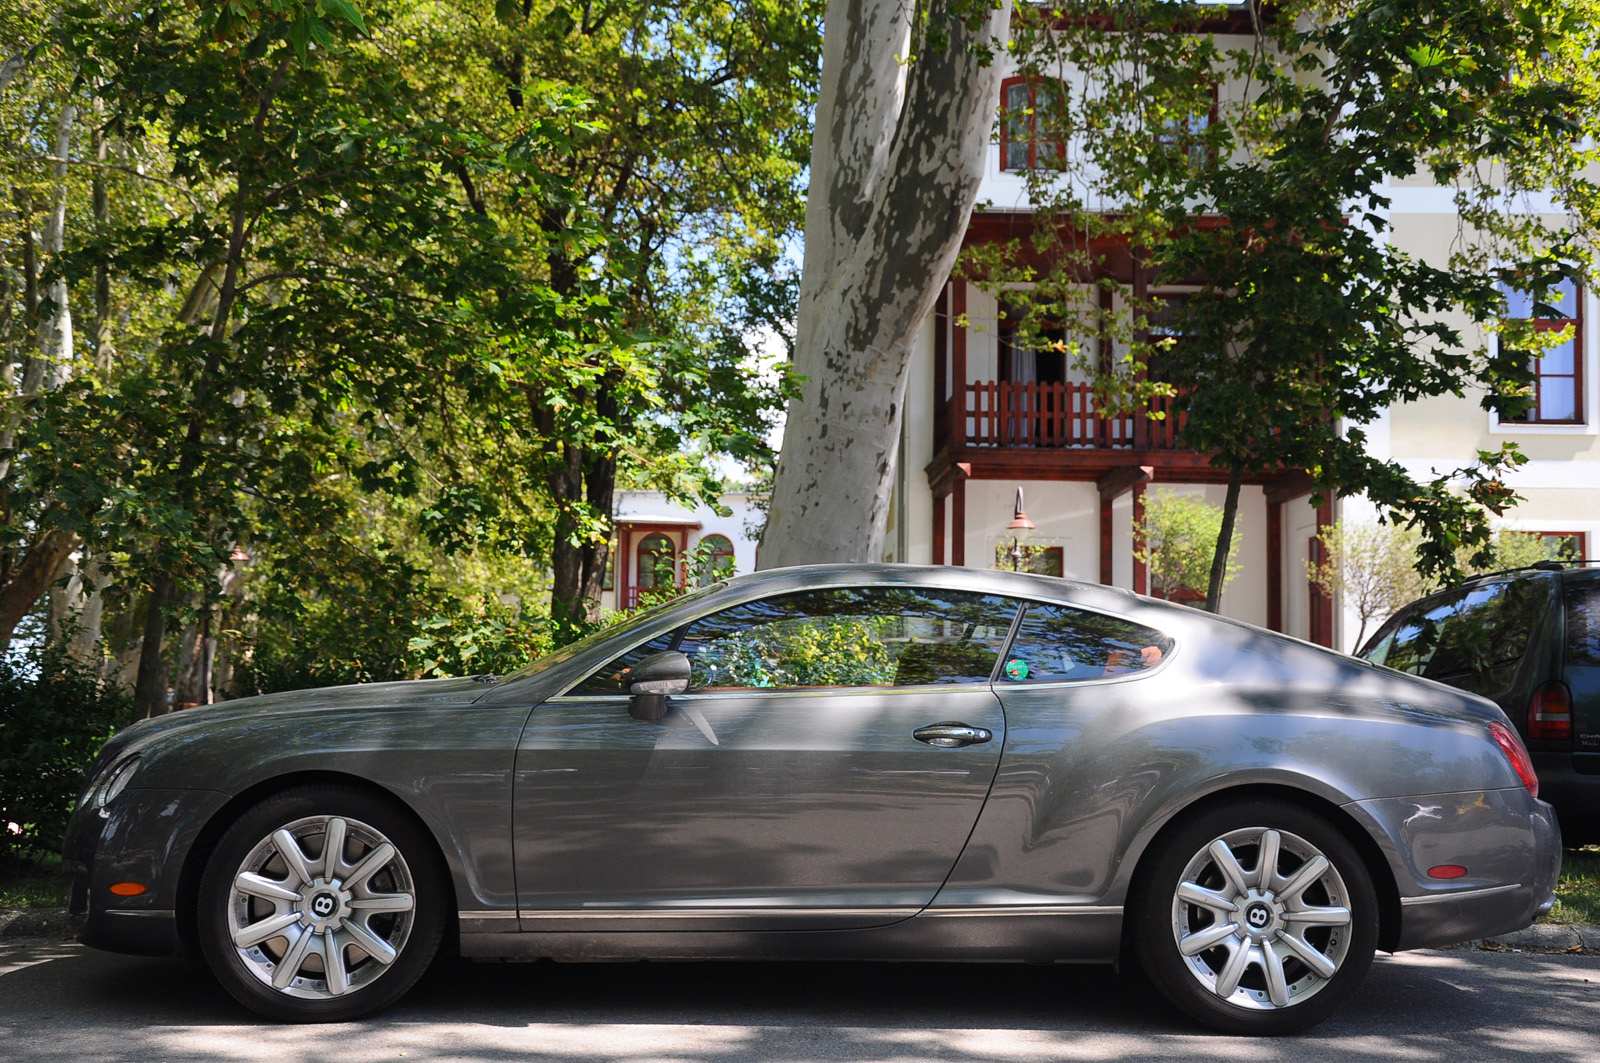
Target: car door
795	785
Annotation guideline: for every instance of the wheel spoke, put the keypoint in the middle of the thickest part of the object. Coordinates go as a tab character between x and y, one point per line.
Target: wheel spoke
338	978
1309	872
268	890
289	848
248	937
369	865
333	848
1318	916
1193	893
1212	936
1228	864
1309	955
1277	984
383	902
370	943
1233	970
289	966
1267	859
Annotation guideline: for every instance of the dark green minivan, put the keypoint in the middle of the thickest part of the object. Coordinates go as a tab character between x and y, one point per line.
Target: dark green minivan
1530	641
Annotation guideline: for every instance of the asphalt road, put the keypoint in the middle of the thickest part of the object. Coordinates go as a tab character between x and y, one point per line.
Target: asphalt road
67	1004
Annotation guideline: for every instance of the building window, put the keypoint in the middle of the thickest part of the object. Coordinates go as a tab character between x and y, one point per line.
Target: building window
1031	112
1563	546
1557	369
657	562
1187	135
713	559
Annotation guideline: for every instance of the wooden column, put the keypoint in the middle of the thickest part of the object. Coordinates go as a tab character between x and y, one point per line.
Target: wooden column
958	522
1107	570
938	527
622	581
1321	604
1274	565
958	363
1111	486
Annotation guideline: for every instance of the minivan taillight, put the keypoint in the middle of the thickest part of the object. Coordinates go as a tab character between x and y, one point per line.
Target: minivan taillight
1550	712
1517	753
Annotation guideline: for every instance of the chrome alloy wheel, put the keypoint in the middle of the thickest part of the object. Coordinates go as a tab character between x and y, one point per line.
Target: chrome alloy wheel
1261	918
321	907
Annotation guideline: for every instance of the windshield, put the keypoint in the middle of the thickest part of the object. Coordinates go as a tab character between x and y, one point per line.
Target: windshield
605	634
1469	633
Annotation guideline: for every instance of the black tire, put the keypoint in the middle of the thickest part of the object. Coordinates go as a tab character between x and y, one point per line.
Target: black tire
396	904
1290	959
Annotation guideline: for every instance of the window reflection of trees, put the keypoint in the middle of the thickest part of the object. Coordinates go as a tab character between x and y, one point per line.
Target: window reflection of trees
850	637
1056	643
1474	632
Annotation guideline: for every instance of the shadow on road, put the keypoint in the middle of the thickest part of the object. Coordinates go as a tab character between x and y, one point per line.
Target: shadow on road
68	1004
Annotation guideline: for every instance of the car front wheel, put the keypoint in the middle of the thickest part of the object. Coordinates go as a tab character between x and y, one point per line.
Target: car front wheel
1256	917
320	904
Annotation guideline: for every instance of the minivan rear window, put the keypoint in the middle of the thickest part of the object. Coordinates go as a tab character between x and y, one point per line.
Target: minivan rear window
1473	631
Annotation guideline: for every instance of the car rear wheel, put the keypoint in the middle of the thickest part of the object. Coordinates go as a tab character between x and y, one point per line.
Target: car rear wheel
320	904
1256	917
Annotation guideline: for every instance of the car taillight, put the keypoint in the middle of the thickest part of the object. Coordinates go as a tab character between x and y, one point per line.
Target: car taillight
1550	711
1517	753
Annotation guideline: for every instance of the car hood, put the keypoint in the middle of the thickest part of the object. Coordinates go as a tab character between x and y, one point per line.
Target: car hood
399	697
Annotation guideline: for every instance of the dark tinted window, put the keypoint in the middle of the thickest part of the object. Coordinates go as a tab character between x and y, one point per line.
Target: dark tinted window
613	678
1056	643
875	636
1583	643
1471	632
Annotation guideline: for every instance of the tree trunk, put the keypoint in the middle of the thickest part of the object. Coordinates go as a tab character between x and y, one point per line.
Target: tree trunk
1219	560
150	690
32	576
55	329
104	350
896	159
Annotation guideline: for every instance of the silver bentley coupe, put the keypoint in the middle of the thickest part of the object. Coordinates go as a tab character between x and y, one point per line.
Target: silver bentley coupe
843	762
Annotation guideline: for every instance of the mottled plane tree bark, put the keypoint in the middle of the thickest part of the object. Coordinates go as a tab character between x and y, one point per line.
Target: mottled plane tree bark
903	122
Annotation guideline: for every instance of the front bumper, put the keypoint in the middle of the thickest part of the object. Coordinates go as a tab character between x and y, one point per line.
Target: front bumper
142	837
1508	842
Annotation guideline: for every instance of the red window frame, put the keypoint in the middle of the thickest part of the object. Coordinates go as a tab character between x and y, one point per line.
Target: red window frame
721	547
649	557
1580	539
1534	413
1030	119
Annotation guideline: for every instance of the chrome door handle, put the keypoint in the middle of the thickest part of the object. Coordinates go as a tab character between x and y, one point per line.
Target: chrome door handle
950	734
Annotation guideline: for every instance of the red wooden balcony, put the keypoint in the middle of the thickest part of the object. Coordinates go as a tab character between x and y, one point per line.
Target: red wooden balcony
994	413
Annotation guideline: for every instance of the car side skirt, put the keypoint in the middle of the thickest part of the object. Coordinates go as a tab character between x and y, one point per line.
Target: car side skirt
1077	934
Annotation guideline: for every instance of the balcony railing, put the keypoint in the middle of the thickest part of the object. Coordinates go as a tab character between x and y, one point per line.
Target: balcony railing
997	413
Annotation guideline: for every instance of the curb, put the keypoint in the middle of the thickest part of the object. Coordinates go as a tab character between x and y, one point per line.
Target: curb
1545	937
22	924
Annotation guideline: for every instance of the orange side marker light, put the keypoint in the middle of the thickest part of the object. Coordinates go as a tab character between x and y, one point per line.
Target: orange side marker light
127	889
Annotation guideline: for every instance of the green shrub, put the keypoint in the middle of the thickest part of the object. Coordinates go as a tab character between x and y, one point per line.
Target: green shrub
54	716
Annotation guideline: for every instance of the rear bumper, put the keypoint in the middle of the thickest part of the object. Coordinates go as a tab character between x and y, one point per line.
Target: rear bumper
1509	843
1575	795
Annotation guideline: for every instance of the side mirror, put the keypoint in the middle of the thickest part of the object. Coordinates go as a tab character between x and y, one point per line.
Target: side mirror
653	680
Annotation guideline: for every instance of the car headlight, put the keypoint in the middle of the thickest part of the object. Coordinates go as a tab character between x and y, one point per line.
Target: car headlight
111	782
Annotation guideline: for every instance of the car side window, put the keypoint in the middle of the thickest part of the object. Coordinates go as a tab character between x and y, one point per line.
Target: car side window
1582	656
1057	643
850	637
612	678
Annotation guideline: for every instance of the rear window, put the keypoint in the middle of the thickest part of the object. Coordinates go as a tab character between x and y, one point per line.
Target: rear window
1470	633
